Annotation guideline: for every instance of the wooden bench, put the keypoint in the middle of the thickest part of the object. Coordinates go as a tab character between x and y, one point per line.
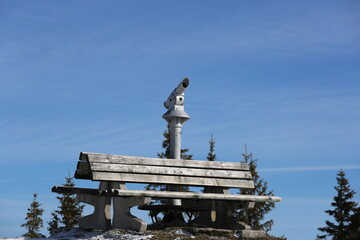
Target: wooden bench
113	171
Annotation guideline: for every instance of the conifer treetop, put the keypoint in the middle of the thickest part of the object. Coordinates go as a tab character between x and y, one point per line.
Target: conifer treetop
255	217
33	219
343	211
69	211
211	156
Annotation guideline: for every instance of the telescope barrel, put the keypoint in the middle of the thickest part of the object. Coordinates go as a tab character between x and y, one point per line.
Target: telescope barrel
180	89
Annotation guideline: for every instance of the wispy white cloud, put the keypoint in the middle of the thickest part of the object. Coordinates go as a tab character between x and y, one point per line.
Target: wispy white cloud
306	201
13	203
318	32
69	132
301	169
29	179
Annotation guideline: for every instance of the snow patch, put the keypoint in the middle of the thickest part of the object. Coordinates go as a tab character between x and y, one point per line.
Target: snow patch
183	232
20	238
79	234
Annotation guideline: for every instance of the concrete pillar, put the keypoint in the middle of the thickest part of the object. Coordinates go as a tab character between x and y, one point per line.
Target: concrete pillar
100	219
221	214
123	219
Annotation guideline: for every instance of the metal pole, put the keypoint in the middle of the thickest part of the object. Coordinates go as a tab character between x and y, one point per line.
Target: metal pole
176	116
175	138
175	151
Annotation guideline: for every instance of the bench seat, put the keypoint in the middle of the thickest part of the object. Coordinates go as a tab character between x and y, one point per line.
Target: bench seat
166	194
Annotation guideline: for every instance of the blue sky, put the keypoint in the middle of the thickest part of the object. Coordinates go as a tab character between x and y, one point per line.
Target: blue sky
282	77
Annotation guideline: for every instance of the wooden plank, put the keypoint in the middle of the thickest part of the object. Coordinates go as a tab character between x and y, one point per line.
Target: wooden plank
176	180
75	190
97	157
83	165
83	170
82	174
189	195
173	171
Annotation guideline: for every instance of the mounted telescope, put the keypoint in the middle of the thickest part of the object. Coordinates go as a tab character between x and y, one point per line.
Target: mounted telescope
177	96
176	116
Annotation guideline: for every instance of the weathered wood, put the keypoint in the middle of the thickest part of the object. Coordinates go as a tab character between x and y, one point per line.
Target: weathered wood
107	158
189	195
161	208
83	165
104	167
165	195
176	180
75	190
82	174
172	171
83	170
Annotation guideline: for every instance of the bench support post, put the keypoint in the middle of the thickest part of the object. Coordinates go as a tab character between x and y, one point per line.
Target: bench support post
123	219
221	214
100	219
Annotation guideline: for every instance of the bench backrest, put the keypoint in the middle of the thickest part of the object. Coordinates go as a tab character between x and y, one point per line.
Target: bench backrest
105	167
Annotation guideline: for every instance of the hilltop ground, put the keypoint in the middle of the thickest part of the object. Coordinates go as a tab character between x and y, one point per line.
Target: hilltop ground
167	234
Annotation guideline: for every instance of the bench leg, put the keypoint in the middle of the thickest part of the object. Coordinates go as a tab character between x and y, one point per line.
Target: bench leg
221	214
221	217
123	219
100	218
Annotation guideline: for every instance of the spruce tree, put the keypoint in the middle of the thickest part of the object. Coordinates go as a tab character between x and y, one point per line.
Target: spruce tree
354	226
53	225
343	212
69	211
211	156
255	216
33	220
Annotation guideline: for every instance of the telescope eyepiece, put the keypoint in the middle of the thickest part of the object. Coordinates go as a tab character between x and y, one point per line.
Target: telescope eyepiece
179	90
185	82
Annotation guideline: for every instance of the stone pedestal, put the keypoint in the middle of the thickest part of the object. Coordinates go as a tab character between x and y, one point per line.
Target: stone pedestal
100	219
221	214
123	219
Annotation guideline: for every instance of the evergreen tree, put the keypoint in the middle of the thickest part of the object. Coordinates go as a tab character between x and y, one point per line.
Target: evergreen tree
343	211
256	215
69	211
53	225
33	220
354	226
211	156
165	144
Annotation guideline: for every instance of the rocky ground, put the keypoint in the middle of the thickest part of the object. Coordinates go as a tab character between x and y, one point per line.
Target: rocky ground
167	234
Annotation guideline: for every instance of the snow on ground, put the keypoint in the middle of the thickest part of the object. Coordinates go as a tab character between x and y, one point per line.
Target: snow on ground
78	234
20	238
